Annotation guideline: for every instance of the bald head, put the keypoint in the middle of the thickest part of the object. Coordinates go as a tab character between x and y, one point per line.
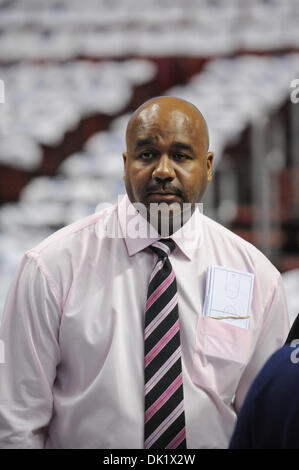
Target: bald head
167	157
181	112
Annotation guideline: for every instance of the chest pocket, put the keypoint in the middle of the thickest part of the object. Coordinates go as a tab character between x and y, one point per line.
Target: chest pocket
221	354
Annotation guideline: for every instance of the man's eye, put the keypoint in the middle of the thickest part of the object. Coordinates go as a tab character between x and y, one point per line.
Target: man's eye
180	156
146	155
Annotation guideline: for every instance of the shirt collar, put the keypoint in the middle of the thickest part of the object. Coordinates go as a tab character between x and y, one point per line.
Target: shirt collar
139	234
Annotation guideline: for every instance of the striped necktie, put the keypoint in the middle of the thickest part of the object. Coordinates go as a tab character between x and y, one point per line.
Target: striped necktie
164	406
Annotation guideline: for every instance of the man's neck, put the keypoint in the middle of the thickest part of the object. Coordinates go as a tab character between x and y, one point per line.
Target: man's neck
170	223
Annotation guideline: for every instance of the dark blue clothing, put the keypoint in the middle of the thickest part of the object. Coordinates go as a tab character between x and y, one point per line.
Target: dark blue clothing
269	417
294	331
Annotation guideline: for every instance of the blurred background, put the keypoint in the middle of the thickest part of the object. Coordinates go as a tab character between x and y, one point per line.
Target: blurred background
73	71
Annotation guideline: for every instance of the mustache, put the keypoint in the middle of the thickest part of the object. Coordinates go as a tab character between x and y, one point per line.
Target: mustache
170	188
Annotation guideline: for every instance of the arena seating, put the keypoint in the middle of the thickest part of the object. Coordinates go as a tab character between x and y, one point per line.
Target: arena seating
74	72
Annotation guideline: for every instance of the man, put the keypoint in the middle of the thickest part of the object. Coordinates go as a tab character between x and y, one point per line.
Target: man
269	417
106	344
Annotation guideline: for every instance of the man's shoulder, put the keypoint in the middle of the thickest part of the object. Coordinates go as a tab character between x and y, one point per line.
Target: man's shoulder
226	234
222	236
73	236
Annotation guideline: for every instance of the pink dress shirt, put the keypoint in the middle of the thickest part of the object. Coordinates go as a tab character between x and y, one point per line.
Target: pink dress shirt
73	374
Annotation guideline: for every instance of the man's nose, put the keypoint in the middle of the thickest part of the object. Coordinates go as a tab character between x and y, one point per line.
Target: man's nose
164	168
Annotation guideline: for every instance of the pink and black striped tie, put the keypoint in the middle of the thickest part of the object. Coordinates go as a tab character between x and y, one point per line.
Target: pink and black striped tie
164	400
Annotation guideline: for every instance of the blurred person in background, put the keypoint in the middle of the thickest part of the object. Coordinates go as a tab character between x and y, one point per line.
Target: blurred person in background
269	417
106	344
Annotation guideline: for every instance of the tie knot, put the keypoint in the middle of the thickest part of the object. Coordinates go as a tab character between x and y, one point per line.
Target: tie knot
163	247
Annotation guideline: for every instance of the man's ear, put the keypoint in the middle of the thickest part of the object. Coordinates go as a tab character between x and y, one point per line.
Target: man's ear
210	156
125	164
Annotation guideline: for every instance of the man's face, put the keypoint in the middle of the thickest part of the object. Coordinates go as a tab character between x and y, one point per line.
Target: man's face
166	158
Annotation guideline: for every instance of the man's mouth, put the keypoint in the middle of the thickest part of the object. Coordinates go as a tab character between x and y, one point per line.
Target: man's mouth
163	196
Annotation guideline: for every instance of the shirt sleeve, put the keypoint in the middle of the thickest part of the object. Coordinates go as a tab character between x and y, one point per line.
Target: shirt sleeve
272	336
29	335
